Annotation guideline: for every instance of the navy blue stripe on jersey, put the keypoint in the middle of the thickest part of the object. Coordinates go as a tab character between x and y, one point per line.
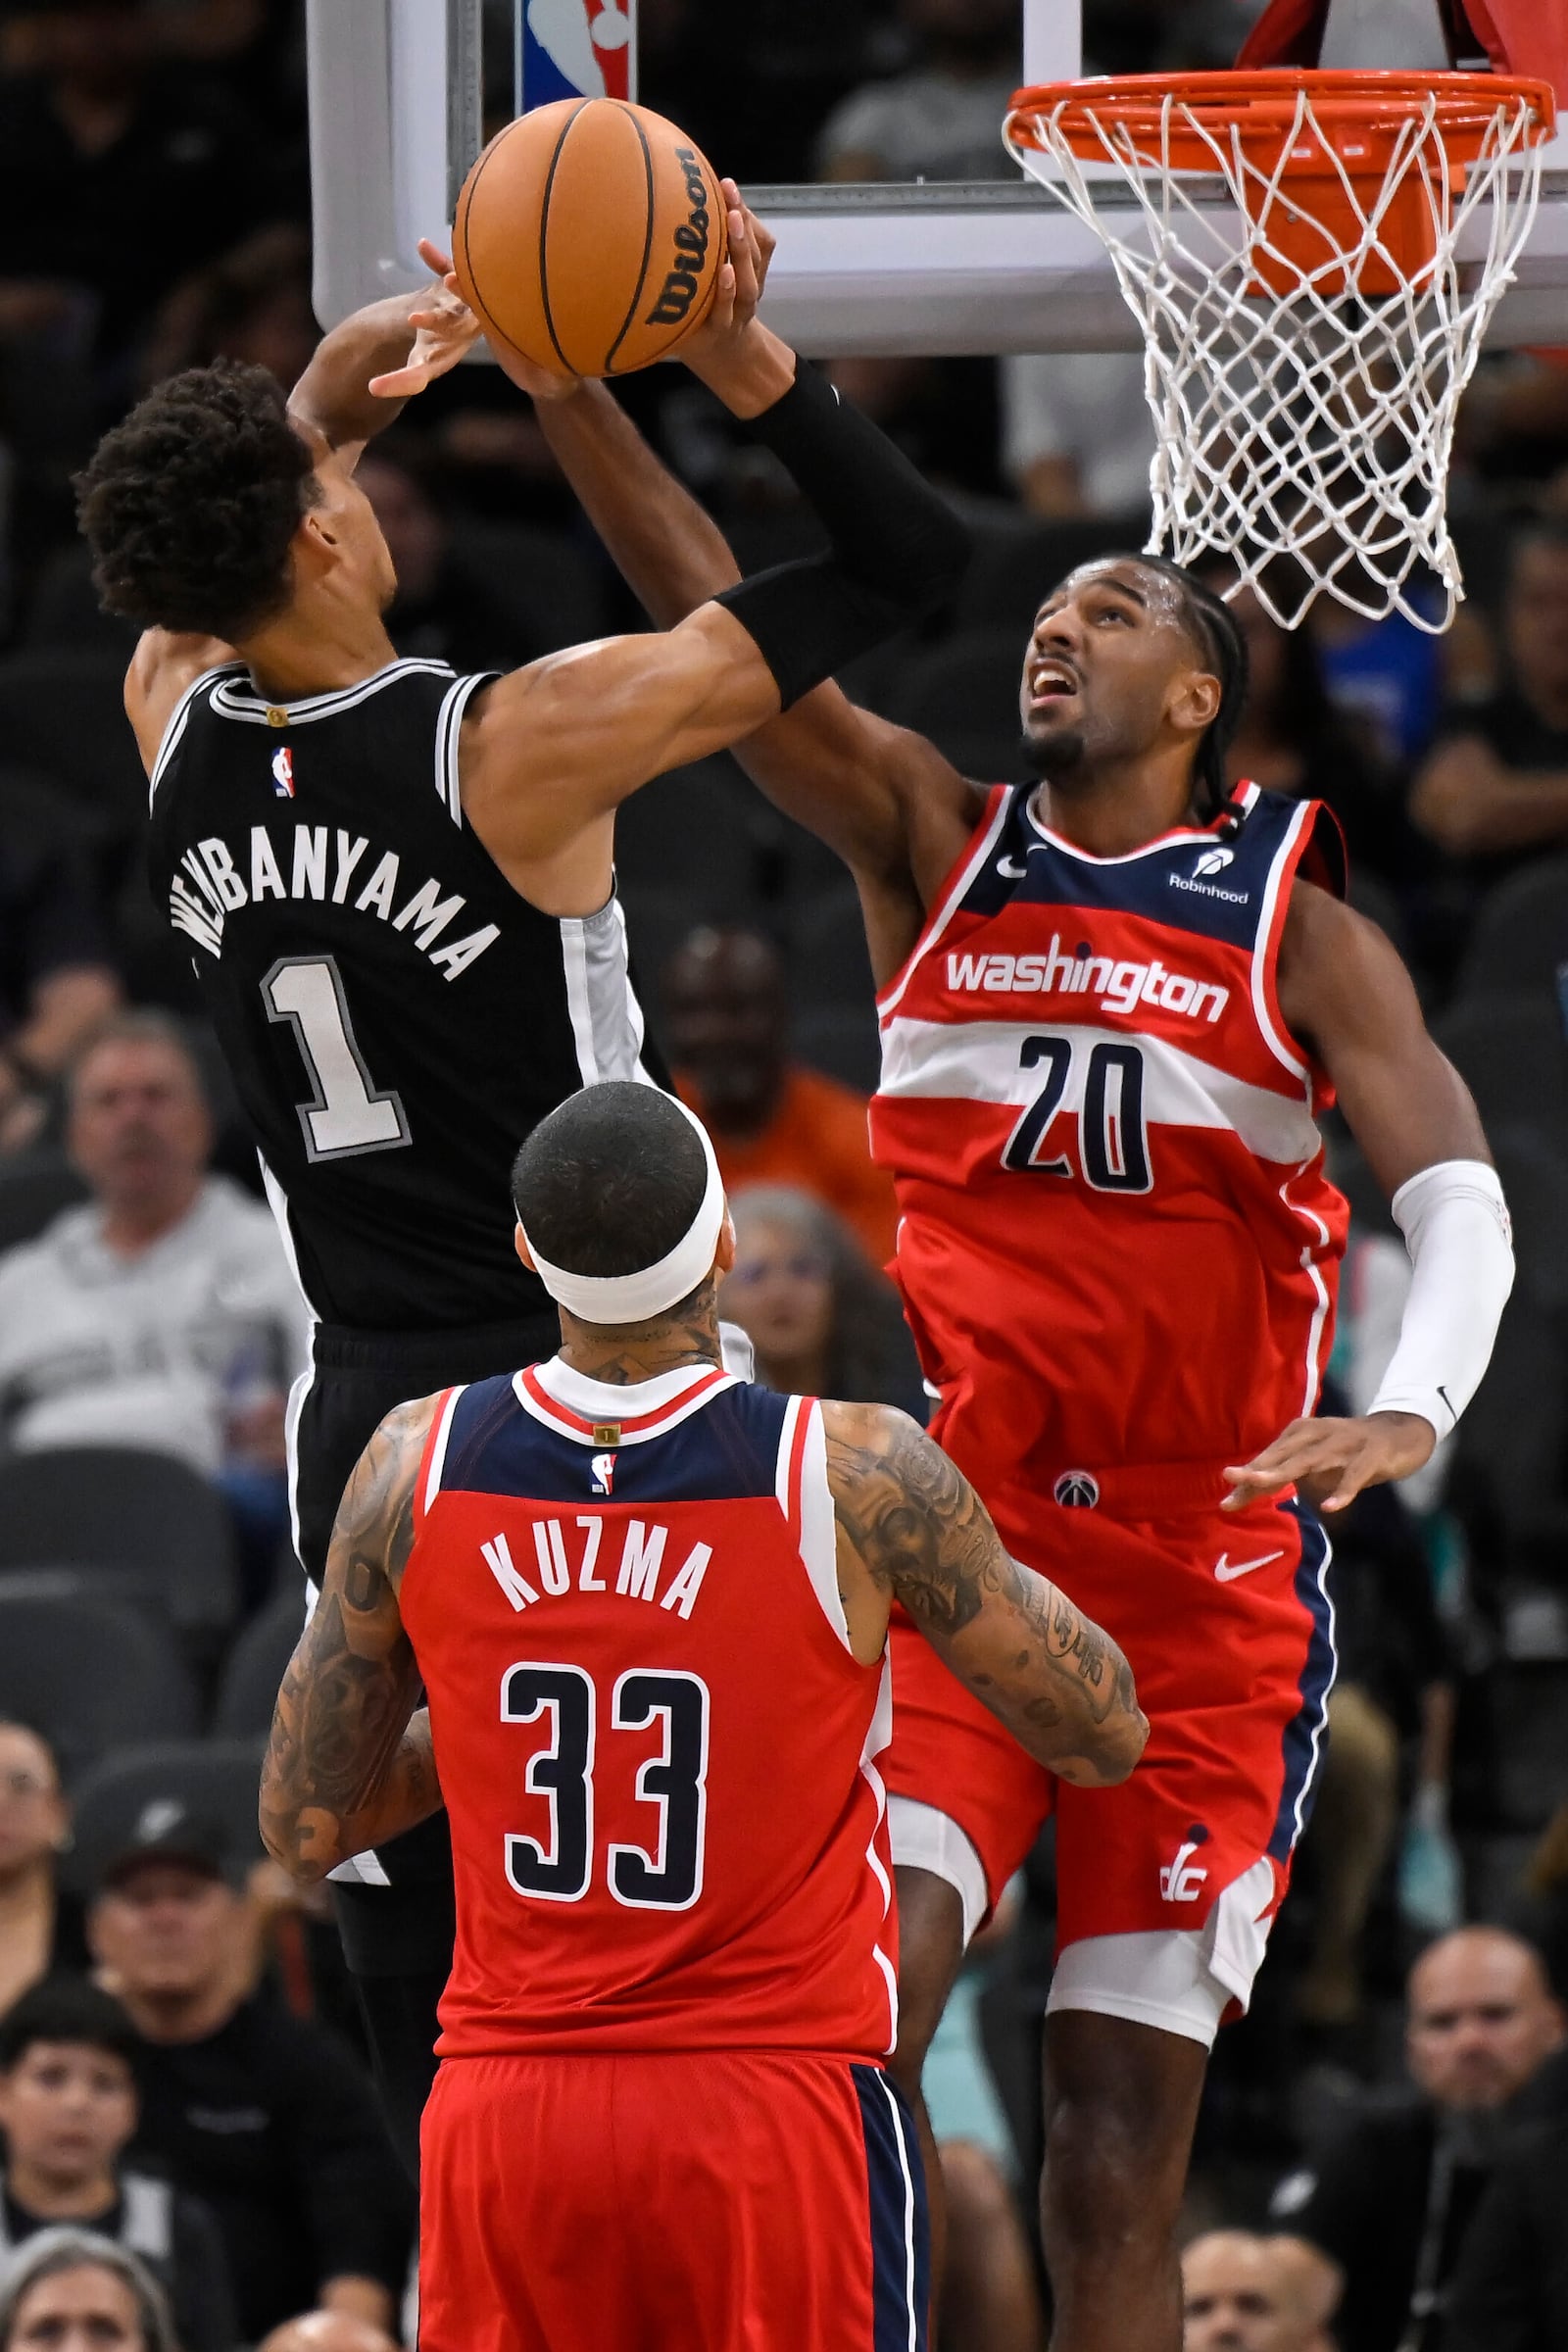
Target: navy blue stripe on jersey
1304	1732
725	1451
901	2239
1195	882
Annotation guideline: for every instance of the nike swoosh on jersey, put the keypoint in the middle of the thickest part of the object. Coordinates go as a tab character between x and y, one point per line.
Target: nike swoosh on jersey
1011	871
1226	1570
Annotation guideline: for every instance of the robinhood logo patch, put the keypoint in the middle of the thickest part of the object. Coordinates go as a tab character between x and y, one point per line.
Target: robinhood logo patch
679	290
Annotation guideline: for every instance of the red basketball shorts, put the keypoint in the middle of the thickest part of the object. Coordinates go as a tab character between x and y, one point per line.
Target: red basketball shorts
1227	1624
692	2202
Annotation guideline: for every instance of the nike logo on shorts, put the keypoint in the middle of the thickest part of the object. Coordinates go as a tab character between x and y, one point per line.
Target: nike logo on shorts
1227	1570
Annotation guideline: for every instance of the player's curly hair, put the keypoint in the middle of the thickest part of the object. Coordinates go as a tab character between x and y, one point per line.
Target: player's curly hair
190	504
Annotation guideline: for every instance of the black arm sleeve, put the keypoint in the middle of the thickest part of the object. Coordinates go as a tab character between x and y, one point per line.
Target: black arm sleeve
898	549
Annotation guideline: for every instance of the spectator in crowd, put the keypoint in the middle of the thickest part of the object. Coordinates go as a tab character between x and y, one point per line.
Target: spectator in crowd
943	119
1245	2294
128	171
264	2113
57	980
328	2332
822	1320
42	1929
1392	2192
253	303
990	2296
772	1120
1496	789
446	609
1510	2290
67	2109
1077	437
1292	739
70	2291
161	1312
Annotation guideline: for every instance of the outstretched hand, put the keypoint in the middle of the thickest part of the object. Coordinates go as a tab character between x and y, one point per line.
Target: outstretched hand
447	328
444	329
742	277
1331	1460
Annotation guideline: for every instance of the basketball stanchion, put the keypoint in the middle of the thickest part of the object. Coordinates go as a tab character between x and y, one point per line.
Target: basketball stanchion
1314	257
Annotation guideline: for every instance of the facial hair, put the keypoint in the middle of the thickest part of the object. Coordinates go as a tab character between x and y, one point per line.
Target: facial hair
1057	756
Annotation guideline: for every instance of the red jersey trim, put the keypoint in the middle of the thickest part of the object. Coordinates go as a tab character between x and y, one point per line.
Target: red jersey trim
952	894
433	1457
1245	798
1299	844
535	1398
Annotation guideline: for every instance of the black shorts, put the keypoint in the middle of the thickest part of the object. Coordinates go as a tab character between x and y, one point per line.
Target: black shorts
356	1379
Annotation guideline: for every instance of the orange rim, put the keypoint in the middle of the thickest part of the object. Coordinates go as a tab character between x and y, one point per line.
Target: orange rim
1350	109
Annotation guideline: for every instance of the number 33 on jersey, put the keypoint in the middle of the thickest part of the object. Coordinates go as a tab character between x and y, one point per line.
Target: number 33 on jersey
657	1746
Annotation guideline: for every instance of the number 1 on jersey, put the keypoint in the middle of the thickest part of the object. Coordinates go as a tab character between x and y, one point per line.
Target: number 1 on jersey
345	1115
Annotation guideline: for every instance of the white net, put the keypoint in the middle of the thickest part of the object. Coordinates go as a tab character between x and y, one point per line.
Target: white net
1303	378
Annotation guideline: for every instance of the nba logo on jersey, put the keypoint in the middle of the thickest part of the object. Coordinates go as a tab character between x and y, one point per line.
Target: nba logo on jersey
603	1467
283	773
574	49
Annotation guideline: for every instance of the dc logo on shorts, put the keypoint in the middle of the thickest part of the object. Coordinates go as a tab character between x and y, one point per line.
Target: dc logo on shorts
1076	1490
1215	862
604	1470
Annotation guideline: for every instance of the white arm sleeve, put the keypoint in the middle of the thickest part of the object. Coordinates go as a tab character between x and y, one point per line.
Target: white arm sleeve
1455	1226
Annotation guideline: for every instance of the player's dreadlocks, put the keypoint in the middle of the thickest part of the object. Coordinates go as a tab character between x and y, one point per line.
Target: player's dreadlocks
190	504
611	1181
1214	631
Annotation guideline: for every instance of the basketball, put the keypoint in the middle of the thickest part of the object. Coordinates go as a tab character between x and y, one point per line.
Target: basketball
589	236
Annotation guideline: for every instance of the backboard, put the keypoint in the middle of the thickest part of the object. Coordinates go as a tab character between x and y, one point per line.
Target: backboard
885	269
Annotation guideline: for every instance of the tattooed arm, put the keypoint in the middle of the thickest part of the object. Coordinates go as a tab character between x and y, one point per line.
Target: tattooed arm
346	1768
910	1528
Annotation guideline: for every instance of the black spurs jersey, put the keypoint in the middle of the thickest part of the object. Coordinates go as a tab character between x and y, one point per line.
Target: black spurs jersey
395	1017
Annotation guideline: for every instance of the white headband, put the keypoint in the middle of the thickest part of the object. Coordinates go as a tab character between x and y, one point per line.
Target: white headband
635	1297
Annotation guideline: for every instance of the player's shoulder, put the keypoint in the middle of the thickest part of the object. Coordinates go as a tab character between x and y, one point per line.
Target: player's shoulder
166	669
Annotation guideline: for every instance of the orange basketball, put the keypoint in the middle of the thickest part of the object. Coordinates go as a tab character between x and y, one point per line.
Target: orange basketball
589	235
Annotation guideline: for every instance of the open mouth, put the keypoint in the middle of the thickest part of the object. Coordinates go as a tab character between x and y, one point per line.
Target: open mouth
1052	682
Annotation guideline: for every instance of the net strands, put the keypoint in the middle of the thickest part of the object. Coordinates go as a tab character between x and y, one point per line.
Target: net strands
1304	352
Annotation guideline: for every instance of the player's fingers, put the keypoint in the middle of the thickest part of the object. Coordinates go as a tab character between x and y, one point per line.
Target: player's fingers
431	255
398	384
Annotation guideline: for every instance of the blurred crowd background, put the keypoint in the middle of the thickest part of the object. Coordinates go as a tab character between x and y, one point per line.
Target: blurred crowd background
1409	2126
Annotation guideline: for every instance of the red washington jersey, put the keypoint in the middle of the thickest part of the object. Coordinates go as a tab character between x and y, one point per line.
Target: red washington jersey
655	1742
1118	1247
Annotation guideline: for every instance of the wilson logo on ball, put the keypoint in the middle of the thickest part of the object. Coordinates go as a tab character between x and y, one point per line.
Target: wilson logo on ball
680	287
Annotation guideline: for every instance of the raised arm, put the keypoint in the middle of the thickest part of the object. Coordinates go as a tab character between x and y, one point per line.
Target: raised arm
349	1764
1346	994
910	1528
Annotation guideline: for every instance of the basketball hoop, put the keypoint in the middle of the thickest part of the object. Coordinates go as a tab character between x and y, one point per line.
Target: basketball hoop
1313	258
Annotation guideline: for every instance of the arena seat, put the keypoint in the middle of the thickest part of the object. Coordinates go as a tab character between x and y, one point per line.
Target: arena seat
33	1190
88	1670
64	613
1015	569
215	1779
829	967
1520	939
1511	1052
147	1515
964	695
253	1668
841	1041
62	711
